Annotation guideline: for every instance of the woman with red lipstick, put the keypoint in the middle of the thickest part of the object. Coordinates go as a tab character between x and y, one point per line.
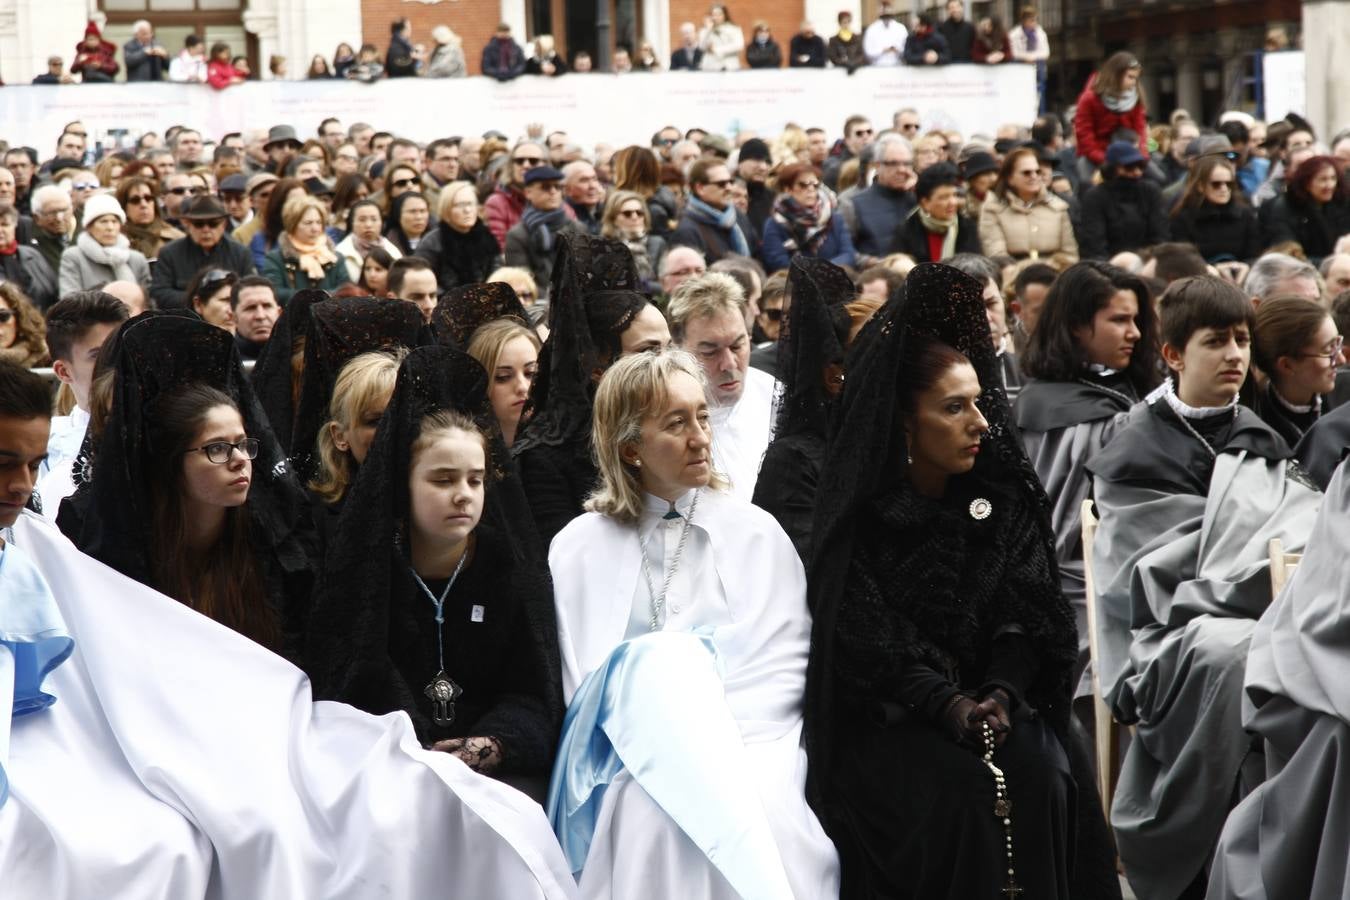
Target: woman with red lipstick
938	693
189	491
434	600
1093	355
1190	491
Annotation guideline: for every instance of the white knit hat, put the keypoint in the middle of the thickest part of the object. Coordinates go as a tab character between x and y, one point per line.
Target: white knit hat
102	205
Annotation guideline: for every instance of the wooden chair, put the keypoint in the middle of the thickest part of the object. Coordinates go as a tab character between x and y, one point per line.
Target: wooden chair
1282	565
1108	733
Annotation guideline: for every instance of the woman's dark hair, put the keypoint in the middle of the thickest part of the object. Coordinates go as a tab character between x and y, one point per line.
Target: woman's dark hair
272	227
206	282
320	71
1202	170
1072	303
928	361
225	583
1301	179
636	169
382	258
1194	303
127	185
1005	171
789	175
1112	73
393	223
935	176
344	194
726	13
1284	326
997	34
218	48
608	315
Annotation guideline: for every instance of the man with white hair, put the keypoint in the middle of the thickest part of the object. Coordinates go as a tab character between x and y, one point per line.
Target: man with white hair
146	58
707	318
1335	271
1278	273
584	193
678	266
689	55
130	293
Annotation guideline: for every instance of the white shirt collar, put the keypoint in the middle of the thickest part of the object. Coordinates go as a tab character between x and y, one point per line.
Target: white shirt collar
1192	412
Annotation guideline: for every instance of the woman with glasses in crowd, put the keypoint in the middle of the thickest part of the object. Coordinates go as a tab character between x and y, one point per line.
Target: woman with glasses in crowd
805	221
101	253
506	204
638	170
1314	209
1125	211
409	219
1298	347
1021	218
1213	213
146	231
304	256
399	179
364	226
23	333
628	218
460	248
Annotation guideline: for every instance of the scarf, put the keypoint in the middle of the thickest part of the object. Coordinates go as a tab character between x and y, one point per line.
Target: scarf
363	247
9	249
807	228
946	227
723	219
311	258
638	247
1029	31
117	257
1123	102
542	226
845	35
471	255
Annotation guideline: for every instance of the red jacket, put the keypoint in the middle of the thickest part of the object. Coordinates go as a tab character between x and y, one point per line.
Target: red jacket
101	58
1094	124
221	74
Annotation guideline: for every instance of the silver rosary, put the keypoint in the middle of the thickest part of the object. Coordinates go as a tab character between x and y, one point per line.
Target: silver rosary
659	600
1002	810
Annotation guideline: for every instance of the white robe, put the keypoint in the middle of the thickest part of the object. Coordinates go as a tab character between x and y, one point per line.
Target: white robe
761	629
742	431
181	760
55	481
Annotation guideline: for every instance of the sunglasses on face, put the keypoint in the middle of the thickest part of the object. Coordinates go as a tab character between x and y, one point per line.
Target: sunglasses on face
527	161
1221	184
631	213
724	183
909	127
405	182
141	198
863	132
1134	167
773	315
219	452
181	191
206	224
6	315
85	185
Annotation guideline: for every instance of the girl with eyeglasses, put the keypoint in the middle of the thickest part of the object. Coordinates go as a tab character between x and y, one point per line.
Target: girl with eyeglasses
188	491
1297	345
628	218
146	231
805	222
1213	213
1021	217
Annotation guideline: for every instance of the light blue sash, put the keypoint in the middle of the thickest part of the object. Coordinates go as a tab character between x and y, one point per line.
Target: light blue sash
657	708
32	629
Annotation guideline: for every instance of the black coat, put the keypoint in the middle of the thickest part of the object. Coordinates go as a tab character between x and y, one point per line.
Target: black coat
916	45
767	55
806	52
1229	230
1286	218
913	238
181	259
960	37
1120	215
399	62
690	60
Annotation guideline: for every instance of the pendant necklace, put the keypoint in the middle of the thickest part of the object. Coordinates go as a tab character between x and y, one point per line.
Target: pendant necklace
1002	810
441	691
659	600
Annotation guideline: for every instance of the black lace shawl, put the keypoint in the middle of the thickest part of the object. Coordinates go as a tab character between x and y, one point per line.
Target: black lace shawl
931	582
109	517
462	310
338	331
559	408
364	611
814	334
272	373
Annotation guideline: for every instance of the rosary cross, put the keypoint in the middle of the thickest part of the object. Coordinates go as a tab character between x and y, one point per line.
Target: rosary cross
1012	889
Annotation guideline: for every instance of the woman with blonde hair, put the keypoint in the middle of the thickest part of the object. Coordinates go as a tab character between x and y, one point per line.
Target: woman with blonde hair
666	566
360	394
447	60
628	218
304	256
460	247
508	350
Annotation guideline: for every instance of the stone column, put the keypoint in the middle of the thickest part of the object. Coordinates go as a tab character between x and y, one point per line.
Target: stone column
1326	41
30	32
1189	96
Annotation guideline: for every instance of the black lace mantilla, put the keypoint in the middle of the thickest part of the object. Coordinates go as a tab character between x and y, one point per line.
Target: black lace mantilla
465	308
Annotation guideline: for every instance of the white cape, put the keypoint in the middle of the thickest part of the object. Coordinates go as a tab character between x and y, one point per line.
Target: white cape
181	760
742	431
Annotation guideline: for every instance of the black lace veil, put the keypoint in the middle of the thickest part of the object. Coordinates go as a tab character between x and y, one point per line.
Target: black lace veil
338	331
814	335
463	309
349	622
159	352
593	298
866	451
272	373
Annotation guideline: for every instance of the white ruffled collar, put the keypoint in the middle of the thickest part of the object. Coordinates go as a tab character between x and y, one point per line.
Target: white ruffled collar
1168	391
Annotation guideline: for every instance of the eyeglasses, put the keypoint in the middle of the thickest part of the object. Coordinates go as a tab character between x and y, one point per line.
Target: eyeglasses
1216	185
549	186
527	161
219	452
181	191
1330	352
724	183
896	163
773	315
682	273
404	182
205	223
909	126
141	198
6	315
667	142
631	213
863	132
85	185
1134	167
56	213
807	185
